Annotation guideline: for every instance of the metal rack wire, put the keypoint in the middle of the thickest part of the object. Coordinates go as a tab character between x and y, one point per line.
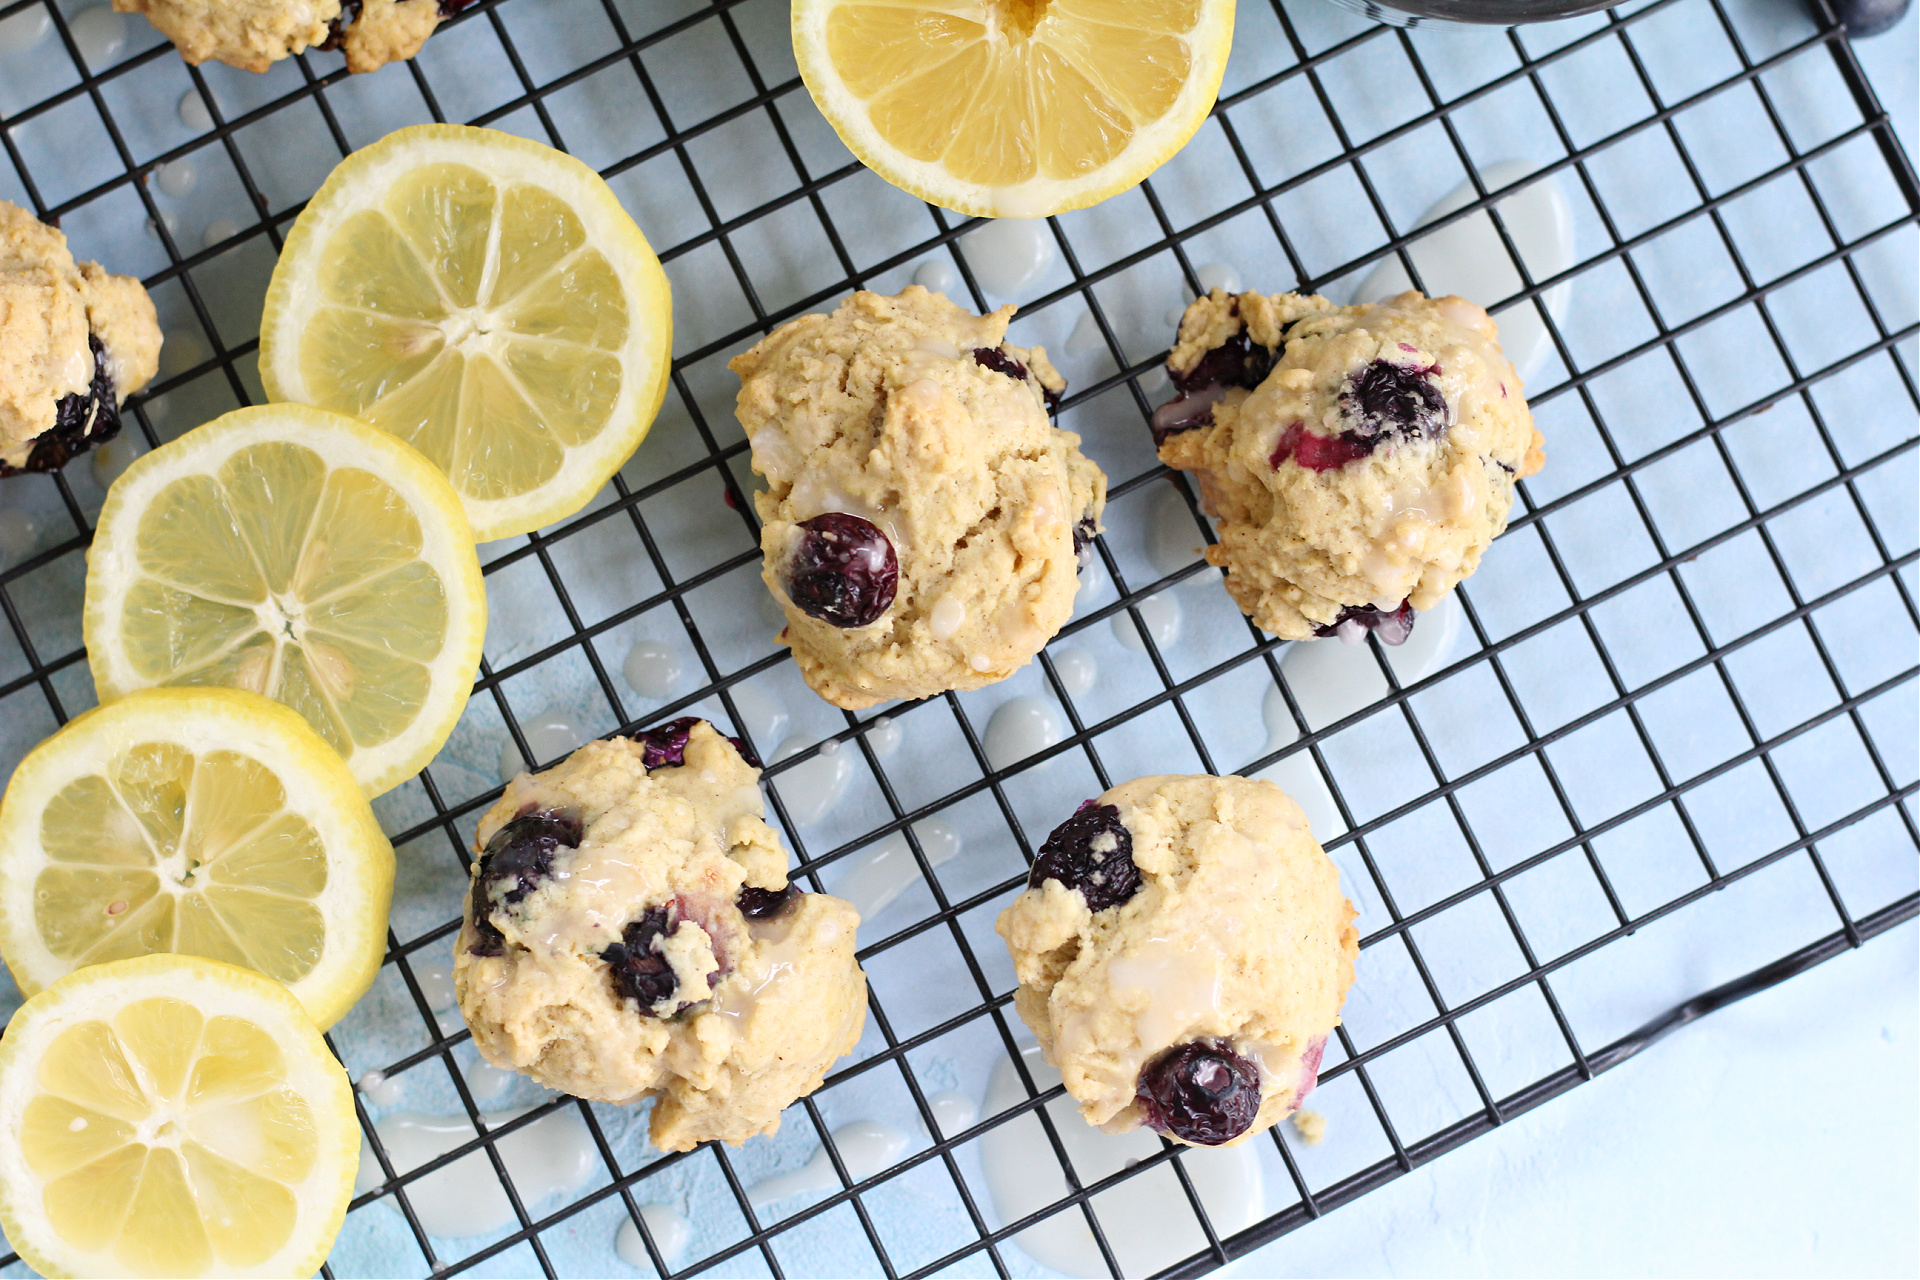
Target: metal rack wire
1838	487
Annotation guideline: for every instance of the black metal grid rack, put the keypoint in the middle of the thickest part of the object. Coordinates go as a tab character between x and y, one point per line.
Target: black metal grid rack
1838	489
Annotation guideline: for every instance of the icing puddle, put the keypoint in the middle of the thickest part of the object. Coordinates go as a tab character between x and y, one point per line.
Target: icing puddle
866	1148
1146	1219
552	1156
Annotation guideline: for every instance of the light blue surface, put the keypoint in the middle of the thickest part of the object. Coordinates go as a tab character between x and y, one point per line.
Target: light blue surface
1530	1191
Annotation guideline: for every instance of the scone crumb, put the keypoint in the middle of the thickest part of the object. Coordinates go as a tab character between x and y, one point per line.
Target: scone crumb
1311	1126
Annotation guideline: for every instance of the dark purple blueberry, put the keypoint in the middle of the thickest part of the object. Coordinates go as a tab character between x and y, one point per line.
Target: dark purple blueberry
1390	403
1237	362
1084	532
80	421
1000	362
1393	626
765	904
514	863
1092	852
1200	1092
1185	412
844	571
637	962
665	745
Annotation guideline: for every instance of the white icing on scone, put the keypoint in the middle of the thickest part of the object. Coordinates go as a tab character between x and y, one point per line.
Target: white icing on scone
629	933
1183	932
1357	458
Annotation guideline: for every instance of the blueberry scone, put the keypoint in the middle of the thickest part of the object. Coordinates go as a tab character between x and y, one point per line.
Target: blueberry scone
924	520
75	341
1183	950
254	34
630	933
1359	459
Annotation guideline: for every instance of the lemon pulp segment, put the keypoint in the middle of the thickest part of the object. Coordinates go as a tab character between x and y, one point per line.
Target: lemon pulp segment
1013	107
173	1117
224	1139
170	850
472	318
283	576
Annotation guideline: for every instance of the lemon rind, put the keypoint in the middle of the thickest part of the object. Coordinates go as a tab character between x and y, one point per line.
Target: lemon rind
313	1071
447	544
204	719
647	357
1044	197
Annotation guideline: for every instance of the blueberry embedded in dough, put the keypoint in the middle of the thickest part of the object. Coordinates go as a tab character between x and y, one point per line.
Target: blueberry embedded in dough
1368	466
1198	1005
1201	1092
924	521
630	934
75	341
1091	853
515	862
843	570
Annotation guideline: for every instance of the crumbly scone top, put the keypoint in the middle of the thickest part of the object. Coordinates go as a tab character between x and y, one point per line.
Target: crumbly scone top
1237	934
754	1010
1313	523
910	413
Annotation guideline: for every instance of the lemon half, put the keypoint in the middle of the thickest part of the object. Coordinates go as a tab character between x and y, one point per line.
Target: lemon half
204	821
1013	108
172	1116
301	555
487	300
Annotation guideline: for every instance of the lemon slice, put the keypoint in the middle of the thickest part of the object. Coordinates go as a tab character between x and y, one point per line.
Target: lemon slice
1013	108
301	555
204	821
172	1116
487	300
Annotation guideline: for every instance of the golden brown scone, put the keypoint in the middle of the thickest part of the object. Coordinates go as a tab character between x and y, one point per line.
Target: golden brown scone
924	520
75	341
1360	459
1183	950
255	34
629	933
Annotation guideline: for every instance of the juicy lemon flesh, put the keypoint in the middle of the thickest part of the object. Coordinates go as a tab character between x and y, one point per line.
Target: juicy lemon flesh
173	851
169	1139
1001	92
287	577
469	317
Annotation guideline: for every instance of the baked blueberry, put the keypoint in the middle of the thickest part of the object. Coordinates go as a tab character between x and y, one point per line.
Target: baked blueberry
1091	852
1237	362
81	421
665	745
1390	403
844	571
1393	626
515	862
638	964
1200	1092
765	904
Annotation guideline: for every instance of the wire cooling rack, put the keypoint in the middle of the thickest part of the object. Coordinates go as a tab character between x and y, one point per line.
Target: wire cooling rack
1701	621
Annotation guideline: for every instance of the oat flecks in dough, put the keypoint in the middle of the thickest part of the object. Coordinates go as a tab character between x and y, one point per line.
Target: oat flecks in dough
49	308
1239	936
254	34
1372	463
756	1010
912	413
